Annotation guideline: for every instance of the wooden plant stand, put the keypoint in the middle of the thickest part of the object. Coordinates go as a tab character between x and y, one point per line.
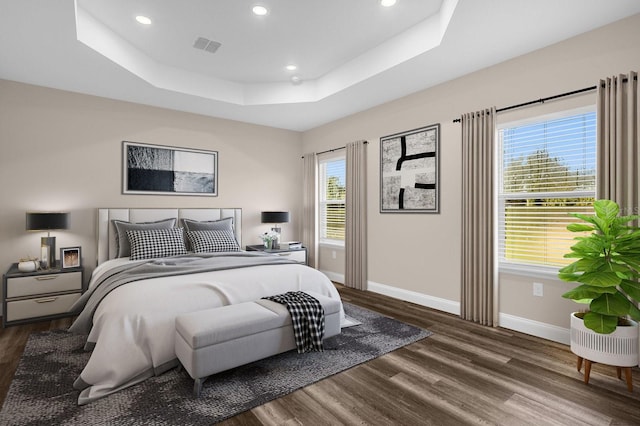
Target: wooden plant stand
587	372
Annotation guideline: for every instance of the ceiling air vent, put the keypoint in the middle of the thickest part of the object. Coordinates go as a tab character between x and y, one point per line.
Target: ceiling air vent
206	44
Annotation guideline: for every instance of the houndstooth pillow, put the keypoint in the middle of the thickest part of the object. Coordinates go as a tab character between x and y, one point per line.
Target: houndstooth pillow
123	247
152	243
212	241
225	224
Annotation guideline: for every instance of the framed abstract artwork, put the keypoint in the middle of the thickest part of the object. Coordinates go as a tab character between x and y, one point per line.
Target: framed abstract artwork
165	170
409	171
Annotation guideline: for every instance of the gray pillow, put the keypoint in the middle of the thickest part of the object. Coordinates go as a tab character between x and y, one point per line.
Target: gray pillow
190	225
225	224
122	241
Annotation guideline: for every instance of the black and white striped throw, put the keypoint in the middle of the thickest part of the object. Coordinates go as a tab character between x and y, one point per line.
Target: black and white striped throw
307	316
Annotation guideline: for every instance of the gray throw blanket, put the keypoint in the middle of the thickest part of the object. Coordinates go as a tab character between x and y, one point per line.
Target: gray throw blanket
87	304
307	318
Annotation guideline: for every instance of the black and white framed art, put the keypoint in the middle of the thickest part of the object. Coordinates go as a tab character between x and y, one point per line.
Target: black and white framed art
409	171
165	170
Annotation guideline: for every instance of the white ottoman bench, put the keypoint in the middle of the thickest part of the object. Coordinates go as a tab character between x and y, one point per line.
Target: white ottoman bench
214	340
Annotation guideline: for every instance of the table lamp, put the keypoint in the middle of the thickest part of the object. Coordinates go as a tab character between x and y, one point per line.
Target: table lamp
47	221
276	218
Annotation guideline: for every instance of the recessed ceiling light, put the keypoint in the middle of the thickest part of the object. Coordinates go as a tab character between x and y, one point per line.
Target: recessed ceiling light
387	3
296	80
143	20
291	67
260	10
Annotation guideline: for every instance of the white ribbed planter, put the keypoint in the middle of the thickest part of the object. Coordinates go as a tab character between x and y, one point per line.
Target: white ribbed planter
619	348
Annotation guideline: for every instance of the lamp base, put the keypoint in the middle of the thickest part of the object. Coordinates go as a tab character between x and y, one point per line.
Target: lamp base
48	252
276	242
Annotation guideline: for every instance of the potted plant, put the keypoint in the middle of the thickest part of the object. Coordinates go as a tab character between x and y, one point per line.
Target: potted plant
607	268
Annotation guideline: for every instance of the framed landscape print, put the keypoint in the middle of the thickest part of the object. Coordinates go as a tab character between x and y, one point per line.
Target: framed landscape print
155	169
409	171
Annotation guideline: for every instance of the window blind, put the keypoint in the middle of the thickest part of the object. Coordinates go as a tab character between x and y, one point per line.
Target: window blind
332	199
547	170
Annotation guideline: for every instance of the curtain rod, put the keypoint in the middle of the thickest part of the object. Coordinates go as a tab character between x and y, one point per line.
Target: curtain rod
335	149
543	100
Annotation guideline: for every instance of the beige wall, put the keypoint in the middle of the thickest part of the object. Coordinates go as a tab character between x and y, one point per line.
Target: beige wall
419	254
62	151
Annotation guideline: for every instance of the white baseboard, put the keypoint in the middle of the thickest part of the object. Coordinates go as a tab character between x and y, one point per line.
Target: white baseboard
535	328
339	278
511	322
415	297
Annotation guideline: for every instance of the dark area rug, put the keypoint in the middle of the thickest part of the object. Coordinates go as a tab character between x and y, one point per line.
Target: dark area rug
42	394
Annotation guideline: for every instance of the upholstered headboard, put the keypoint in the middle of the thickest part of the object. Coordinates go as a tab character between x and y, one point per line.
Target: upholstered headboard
106	232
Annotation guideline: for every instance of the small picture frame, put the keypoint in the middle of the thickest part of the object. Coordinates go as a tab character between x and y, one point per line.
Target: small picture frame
70	257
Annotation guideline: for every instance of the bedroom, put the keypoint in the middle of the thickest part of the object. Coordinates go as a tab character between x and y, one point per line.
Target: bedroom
62	150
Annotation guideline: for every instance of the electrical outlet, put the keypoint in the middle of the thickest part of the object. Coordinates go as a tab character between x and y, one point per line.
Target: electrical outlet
333	254
538	289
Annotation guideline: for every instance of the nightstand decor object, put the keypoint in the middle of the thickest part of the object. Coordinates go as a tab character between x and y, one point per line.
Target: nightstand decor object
47	221
70	257
276	218
28	265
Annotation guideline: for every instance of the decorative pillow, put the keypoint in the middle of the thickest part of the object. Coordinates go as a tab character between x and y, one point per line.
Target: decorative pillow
153	243
122	241
212	241
225	224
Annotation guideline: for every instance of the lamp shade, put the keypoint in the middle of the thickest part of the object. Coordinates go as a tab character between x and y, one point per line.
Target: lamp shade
275	217
47	221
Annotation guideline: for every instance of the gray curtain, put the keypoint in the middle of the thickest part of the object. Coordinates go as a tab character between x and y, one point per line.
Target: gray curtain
356	216
618	153
477	293
309	208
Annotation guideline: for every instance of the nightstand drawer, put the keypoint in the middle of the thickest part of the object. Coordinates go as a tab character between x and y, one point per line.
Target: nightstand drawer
40	284
299	256
40	306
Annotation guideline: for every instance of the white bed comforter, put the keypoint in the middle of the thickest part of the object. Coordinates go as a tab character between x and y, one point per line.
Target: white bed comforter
134	325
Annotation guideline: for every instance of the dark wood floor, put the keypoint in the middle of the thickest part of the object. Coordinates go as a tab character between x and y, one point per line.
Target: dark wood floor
464	374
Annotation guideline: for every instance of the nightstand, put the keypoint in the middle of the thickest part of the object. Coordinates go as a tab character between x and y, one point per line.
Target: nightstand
40	295
299	255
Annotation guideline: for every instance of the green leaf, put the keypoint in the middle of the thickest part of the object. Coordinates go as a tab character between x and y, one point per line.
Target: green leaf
611	304
600	278
586	218
583	292
584	264
634	262
602	225
617	267
568	277
634	312
622	220
588	247
604	324
606	209
632	288
579	227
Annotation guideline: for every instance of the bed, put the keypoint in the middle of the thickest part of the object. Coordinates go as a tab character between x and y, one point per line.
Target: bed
129	311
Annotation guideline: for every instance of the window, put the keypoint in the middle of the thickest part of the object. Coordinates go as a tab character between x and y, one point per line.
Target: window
332	200
546	170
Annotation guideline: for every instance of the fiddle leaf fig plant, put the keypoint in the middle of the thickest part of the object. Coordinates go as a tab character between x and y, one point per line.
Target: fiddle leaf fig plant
607	267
